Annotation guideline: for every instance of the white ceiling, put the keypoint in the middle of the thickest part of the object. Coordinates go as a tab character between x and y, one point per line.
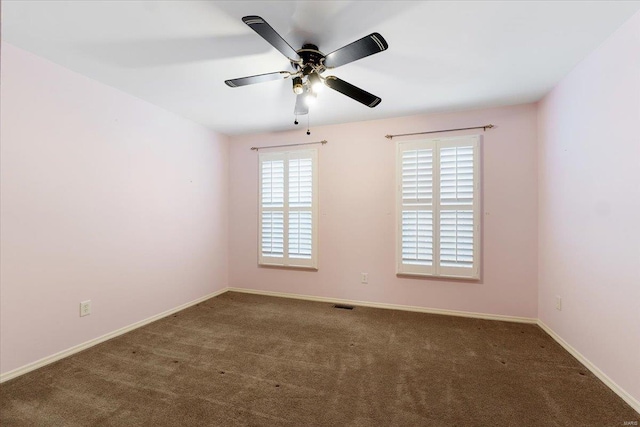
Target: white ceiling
443	56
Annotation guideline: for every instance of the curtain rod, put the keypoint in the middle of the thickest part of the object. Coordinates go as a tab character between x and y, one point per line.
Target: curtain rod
485	127
324	141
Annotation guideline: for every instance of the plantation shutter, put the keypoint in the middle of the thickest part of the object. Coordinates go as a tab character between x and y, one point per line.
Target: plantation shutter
456	208
417	209
300	207
272	204
438	207
288	209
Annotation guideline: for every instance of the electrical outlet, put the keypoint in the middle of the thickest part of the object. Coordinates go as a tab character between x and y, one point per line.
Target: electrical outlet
364	277
85	308
558	303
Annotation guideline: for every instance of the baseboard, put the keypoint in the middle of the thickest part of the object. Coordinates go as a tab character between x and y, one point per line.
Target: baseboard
391	306
75	349
634	403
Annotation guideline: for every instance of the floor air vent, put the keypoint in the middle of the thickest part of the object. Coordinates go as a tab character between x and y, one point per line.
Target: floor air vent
343	306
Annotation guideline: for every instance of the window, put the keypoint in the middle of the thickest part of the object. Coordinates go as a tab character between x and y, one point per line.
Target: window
438	211
288	199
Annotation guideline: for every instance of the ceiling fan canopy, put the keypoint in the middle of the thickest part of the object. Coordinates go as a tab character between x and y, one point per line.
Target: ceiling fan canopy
309	63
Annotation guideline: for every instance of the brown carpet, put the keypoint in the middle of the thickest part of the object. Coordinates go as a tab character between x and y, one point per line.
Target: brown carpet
241	359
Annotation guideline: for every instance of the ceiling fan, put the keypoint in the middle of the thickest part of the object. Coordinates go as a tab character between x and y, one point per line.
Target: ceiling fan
309	63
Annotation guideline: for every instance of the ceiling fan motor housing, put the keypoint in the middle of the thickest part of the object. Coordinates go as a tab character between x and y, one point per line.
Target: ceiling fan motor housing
311	59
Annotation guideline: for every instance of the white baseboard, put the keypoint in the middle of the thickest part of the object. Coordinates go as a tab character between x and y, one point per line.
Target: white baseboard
391	306
635	404
75	349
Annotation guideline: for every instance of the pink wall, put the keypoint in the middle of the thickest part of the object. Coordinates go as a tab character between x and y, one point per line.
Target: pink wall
589	207
104	197
357	218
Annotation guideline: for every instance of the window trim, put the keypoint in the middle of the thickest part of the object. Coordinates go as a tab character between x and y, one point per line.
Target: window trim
436	270
285	261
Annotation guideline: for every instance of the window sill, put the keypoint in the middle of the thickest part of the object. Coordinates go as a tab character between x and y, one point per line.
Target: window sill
434	277
287	267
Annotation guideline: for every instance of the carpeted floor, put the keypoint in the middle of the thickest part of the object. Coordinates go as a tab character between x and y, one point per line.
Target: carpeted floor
241	359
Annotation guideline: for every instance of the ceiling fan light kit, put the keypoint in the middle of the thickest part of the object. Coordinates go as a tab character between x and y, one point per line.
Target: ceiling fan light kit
316	82
297	85
309	63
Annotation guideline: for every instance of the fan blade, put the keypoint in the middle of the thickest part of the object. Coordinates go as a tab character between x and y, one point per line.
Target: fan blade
352	91
265	31
301	105
373	43
243	81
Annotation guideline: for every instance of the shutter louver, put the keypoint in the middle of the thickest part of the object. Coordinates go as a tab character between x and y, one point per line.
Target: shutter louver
300	234
456	175
417	176
300	182
456	238
273	233
417	237
272	183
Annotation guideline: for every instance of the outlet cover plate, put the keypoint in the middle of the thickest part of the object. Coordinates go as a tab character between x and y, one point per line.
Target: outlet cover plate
85	308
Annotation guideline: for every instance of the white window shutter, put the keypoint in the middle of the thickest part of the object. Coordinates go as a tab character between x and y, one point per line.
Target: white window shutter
288	201
417	211
438	207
